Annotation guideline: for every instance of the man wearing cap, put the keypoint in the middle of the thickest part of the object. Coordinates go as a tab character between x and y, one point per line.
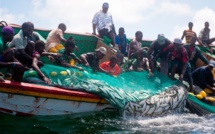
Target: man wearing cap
103	21
92	58
203	77
159	49
179	63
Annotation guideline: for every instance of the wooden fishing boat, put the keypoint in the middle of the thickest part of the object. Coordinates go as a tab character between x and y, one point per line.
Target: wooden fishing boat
32	99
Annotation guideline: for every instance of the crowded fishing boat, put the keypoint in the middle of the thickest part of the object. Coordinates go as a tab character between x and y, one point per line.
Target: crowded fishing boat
54	72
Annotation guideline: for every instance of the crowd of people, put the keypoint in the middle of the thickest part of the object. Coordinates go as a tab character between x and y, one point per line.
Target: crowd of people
23	51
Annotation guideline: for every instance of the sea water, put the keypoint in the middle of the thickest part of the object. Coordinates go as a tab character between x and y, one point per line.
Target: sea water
107	123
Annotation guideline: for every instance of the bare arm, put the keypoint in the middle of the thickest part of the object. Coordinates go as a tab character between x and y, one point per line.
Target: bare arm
65	64
37	69
84	61
94	28
52	54
182	37
183	72
151	62
62	39
24	54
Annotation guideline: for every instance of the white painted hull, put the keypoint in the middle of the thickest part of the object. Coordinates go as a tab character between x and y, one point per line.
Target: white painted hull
31	105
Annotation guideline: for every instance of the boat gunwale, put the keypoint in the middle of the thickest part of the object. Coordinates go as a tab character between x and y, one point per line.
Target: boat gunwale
48	92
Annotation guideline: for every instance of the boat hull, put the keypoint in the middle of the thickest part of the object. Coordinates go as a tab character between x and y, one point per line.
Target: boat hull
27	99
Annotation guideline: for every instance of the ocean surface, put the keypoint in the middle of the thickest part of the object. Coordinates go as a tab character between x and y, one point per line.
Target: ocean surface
107	123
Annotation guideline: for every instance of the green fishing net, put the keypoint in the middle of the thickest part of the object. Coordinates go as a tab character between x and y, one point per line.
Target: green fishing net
127	87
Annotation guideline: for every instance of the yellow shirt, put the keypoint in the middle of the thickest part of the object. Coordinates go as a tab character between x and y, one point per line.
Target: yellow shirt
53	39
188	35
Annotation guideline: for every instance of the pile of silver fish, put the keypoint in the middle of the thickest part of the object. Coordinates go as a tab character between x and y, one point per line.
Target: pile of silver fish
171	100
131	103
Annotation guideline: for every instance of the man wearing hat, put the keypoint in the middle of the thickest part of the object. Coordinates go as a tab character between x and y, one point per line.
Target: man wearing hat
179	63
159	49
92	58
7	36
103	21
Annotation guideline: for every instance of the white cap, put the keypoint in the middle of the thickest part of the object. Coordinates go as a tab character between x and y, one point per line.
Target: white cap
177	41
103	50
161	39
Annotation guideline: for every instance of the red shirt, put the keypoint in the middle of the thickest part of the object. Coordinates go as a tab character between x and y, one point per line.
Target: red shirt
106	66
180	55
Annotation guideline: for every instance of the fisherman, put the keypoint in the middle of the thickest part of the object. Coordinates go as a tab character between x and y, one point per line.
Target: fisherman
136	44
7	56
34	37
68	58
121	41
7	37
141	62
38	52
92	58
122	62
159	49
103	21
204	35
24	47
203	77
110	67
179	63
194	53
189	33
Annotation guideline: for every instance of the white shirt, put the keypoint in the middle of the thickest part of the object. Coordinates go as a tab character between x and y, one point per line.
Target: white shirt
204	34
19	41
103	20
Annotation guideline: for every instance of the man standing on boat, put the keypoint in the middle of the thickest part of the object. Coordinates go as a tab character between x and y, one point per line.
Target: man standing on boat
103	21
179	63
159	49
121	41
204	35
194	53
189	33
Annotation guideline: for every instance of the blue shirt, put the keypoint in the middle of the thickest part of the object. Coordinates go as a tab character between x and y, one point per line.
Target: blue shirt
122	42
202	76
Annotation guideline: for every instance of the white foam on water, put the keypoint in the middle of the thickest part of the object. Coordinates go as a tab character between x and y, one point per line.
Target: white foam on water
176	123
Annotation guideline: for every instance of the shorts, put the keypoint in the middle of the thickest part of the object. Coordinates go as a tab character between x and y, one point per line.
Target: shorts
208	41
56	48
103	32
